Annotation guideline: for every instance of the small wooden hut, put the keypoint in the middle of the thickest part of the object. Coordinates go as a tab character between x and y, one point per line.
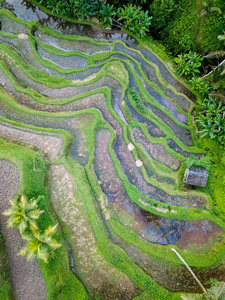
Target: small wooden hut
196	176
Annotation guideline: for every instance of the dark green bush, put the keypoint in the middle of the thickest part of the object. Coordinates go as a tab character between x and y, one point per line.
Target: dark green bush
134	19
203	162
188	64
211	119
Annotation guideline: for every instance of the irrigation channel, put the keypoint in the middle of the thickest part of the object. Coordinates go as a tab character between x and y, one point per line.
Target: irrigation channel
114	185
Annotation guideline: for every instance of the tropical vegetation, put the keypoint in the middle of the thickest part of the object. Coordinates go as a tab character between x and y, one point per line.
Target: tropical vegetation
24	215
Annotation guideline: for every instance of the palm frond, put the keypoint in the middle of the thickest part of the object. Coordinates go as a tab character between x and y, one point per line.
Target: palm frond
34	214
30	255
43	254
217	9
217	292
221	37
50	230
8	212
23	200
22	226
23	251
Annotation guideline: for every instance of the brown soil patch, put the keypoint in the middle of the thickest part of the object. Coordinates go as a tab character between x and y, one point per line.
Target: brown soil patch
27	280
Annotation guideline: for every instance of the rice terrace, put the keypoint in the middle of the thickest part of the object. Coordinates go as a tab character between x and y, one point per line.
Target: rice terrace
95	130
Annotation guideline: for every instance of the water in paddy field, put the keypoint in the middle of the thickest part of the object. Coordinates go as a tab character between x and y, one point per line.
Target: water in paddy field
186	235
28	11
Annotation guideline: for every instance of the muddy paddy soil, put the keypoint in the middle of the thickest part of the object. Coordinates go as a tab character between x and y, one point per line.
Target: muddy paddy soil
92	105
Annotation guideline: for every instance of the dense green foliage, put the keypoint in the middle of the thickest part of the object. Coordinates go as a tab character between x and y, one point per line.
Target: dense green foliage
135	19
188	64
203	162
211	118
136	98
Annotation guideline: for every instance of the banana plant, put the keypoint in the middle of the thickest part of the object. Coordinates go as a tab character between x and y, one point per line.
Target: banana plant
135	19
106	13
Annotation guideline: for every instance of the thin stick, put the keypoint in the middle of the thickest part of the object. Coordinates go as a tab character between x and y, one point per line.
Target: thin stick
213	69
192	273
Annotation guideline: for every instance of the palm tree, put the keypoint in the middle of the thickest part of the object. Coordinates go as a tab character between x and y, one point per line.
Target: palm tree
23	214
39	245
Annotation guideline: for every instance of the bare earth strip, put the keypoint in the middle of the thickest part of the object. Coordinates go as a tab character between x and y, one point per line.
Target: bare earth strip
27	280
50	143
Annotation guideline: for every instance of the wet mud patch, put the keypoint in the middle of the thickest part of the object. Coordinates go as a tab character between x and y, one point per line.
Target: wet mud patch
151	74
152	128
28	11
173	277
71	45
152	173
156	151
166	74
173	145
27	280
183	134
23	48
167	103
10	26
64	62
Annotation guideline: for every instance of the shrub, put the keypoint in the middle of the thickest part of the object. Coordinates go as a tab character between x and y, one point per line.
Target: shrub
162	12
106	13
211	118
199	85
188	64
134	19
203	162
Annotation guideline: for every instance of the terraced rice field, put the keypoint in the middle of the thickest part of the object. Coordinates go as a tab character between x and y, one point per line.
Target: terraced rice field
112	165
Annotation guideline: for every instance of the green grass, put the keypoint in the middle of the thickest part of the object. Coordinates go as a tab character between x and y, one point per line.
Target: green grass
6	291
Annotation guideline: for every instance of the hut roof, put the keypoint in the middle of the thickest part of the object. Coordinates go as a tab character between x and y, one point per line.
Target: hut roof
196	176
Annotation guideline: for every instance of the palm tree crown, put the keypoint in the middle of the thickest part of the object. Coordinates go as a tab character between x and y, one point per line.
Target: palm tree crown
23	214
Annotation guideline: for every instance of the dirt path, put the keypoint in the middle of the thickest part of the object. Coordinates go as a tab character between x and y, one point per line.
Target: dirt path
27	280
